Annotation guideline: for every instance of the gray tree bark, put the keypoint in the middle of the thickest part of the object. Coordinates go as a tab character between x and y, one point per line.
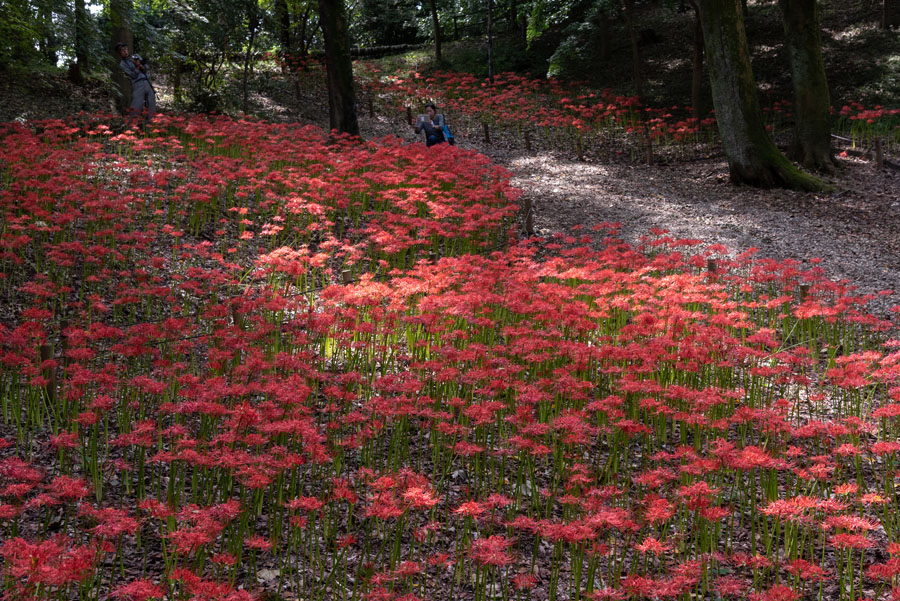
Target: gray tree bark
753	158
812	104
81	67
342	108
120	31
628	6
697	102
437	30
490	36
253	26
283	18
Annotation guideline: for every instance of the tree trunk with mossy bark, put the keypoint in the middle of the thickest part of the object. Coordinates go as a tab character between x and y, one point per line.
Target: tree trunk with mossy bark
79	69
342	108
753	158
812	104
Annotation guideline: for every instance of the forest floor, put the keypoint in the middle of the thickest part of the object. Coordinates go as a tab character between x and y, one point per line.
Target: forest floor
855	231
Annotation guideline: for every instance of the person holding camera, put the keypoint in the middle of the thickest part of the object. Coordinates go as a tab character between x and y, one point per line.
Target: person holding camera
143	96
432	123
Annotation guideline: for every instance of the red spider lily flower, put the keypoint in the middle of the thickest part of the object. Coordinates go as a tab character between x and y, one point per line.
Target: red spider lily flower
408	569
491	551
53	562
658	509
470	508
849	522
223	559
524	581
776	593
886	571
310	504
851	541
806	570
783	509
440	559
418	497
651	545
111	523
257	542
730	586
138	590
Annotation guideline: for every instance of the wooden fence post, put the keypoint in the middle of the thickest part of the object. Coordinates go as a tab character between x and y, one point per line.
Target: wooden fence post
48	373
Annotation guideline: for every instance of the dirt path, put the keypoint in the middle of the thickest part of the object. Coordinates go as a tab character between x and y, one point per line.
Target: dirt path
855	231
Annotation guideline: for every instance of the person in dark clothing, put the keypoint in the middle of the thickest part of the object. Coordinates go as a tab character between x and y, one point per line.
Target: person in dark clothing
432	124
143	96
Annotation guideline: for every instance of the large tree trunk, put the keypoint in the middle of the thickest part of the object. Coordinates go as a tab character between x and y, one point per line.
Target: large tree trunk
80	67
628	6
604	33
304	37
812	105
890	14
283	18
752	156
342	109
490	36
253	25
120	31
697	66
437	31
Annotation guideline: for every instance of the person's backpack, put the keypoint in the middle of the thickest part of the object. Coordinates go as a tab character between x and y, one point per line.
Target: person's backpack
448	135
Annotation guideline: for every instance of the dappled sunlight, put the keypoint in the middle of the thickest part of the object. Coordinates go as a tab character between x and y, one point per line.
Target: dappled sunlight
253	358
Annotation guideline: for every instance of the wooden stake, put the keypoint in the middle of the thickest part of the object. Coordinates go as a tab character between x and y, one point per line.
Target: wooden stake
529	215
63	342
48	373
879	155
487	132
527	140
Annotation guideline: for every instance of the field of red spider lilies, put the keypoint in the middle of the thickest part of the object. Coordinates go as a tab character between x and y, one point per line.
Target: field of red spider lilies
557	115
238	361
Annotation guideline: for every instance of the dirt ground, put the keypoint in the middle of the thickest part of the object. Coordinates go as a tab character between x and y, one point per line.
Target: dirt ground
855	230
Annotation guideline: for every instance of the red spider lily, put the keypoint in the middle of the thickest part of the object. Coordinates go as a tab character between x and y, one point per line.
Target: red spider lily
54	562
139	590
806	570
491	551
651	545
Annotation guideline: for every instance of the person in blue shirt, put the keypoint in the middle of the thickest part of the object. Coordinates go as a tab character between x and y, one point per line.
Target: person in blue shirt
143	96
432	124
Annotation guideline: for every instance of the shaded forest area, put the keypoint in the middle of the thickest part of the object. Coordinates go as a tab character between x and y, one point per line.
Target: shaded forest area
200	51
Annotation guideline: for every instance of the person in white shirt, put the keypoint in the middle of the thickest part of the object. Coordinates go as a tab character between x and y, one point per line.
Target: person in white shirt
432	124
